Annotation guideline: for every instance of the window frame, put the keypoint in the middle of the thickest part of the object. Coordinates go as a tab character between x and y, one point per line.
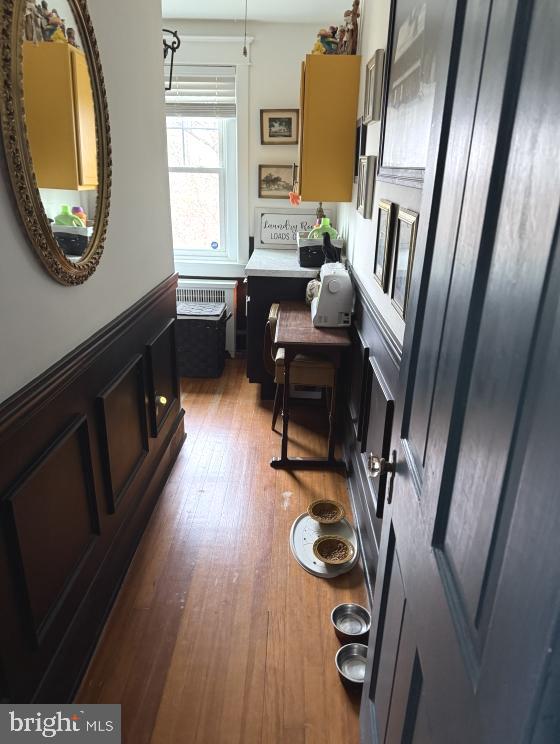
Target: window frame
225	50
227	172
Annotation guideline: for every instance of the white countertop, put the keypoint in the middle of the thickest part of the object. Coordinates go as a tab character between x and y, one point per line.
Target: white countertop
278	262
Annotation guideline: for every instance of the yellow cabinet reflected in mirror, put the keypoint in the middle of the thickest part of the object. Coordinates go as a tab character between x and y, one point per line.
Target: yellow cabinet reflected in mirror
60	116
55	131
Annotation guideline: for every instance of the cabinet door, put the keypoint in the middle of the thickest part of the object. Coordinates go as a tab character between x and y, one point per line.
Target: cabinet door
330	104
85	122
301	127
47	97
262	291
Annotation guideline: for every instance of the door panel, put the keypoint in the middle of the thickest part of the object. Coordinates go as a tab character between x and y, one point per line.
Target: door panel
357	381
378	424
469	547
460	139
382	692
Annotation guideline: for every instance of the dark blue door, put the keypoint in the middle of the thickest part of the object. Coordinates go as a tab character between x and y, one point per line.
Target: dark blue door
467	596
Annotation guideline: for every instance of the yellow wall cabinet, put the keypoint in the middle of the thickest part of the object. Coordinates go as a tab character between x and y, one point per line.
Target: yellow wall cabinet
328	113
60	116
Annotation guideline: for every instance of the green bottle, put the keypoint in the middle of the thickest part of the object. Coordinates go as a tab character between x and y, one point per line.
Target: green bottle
324	227
67	218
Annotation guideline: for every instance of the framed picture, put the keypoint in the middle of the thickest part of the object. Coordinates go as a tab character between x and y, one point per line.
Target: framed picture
277	227
360	151
384	242
373	93
409	83
366	180
405	243
279	126
275	181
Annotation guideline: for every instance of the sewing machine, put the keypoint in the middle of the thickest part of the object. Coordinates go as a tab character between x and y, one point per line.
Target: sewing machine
333	297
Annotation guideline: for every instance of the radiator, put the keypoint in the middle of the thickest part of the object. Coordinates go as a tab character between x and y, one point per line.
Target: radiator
213	290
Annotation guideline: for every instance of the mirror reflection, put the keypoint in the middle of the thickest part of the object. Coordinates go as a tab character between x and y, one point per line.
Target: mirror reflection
60	120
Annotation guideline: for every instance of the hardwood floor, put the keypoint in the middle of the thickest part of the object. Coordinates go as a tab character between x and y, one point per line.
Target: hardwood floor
217	635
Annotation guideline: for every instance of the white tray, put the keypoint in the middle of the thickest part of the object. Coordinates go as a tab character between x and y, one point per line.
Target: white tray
303	534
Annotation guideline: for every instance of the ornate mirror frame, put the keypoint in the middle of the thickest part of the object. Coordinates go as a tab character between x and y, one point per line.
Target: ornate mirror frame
17	151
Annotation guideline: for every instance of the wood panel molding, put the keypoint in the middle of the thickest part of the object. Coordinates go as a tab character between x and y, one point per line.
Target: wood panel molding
79	476
372	377
392	343
17	409
123	430
161	356
32	532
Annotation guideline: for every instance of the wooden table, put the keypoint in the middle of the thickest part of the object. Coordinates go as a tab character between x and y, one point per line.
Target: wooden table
296	333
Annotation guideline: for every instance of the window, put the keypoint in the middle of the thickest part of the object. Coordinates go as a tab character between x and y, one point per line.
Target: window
202	161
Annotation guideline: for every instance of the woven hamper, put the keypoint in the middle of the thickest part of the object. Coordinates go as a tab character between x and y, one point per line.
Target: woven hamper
201	338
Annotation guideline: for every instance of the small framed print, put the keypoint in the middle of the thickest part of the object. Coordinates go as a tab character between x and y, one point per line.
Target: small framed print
366	182
279	126
374	87
405	243
383	242
360	151
276	181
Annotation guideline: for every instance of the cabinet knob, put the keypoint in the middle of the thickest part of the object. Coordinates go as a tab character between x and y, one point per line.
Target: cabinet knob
161	400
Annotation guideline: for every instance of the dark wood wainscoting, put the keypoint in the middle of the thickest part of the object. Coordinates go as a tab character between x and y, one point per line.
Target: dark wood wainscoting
371	376
84	452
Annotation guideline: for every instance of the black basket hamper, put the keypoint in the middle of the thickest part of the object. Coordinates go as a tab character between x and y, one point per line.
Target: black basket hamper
201	338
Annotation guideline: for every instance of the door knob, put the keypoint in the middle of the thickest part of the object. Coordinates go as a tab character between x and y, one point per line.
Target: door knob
161	400
379	465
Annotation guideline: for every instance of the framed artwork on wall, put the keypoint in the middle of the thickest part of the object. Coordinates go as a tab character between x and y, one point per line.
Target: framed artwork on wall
366	182
276	181
384	242
373	92
360	151
279	126
405	243
409	83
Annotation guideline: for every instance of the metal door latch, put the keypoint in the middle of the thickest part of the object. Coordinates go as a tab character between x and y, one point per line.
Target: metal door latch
378	466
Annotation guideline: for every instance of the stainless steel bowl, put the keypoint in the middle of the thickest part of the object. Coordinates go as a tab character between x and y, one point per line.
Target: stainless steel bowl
351	663
351	622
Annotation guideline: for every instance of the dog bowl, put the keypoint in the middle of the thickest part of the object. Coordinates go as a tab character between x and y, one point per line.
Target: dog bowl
351	622
326	511
333	550
350	661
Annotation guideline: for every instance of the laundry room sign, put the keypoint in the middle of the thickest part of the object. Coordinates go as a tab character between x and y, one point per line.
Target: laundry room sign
279	228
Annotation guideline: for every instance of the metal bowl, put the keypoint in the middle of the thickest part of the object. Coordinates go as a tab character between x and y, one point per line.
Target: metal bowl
351	622
325	511
333	550
350	661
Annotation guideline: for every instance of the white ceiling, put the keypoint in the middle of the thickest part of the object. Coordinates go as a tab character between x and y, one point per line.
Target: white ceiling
272	11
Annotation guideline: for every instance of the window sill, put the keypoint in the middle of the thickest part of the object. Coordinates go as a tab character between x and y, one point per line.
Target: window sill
223	269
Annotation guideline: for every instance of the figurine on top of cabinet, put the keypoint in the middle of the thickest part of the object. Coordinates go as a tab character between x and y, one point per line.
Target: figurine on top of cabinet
52	24
318	48
33	24
348	33
55	27
71	37
342	39
327	37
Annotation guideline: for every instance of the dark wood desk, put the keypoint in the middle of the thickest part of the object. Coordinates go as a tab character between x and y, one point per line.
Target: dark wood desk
297	335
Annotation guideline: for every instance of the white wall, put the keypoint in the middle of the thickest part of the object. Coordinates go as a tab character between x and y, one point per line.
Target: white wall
360	233
40	320
275	56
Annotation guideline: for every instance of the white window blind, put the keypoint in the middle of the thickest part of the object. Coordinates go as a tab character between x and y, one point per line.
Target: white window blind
202	91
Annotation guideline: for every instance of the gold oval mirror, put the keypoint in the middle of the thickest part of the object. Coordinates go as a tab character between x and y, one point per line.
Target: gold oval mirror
55	127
